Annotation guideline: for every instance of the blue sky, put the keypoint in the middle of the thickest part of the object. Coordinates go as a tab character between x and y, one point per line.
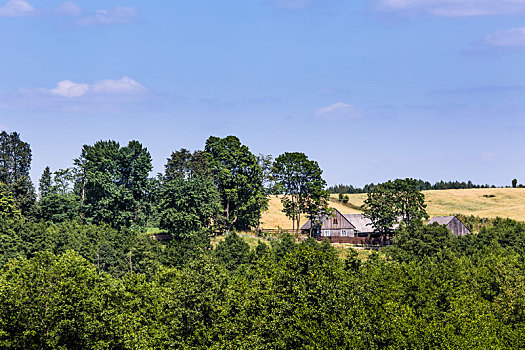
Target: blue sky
372	90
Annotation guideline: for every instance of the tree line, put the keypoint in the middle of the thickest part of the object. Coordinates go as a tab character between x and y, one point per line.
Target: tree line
421	185
78	270
221	188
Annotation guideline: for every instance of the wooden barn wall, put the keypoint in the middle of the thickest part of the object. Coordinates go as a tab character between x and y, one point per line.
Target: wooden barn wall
342	223
457	227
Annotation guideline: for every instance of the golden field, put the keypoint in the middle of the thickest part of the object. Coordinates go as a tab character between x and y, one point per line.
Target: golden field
485	202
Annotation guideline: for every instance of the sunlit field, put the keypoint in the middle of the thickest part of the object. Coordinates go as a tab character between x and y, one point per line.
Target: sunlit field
490	203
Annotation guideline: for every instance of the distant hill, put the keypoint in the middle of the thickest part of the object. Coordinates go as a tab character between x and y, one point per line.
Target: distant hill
483	202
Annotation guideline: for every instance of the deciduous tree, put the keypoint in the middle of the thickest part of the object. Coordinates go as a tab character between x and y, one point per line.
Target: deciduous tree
188	206
15	163
301	182
238	178
113	182
393	201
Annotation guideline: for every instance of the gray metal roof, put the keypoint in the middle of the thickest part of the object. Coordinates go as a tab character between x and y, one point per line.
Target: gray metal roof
360	222
441	220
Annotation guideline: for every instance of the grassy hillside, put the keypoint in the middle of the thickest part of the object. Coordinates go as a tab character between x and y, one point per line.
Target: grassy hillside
490	203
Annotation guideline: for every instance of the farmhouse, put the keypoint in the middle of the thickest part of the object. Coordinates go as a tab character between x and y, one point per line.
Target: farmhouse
341	225
455	225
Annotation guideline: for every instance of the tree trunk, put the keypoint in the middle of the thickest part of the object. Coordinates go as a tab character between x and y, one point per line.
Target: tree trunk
258	221
228	216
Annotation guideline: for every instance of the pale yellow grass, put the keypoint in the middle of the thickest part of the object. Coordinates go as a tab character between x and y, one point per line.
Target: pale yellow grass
274	216
506	203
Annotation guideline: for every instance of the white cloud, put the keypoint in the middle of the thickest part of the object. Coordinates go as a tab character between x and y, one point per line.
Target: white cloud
455	8
124	85
67	88
339	110
70	89
114	16
69	8
17	8
514	37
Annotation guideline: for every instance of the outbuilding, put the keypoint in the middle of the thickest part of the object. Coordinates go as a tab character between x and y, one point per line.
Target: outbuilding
456	226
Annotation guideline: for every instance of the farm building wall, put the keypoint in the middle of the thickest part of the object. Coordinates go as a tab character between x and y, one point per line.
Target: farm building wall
334	226
457	227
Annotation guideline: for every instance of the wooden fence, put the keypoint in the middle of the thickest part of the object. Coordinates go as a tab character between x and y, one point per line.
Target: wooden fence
368	241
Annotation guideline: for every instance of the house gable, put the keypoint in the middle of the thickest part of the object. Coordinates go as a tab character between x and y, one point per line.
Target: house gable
333	225
456	226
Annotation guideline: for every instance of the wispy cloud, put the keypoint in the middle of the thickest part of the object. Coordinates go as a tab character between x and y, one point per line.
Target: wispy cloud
67	88
117	15
103	96
514	37
69	9
339	110
454	8
17	8
123	86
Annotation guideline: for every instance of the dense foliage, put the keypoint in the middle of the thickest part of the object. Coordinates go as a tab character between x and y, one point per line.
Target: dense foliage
393	202
78	271
79	286
239	180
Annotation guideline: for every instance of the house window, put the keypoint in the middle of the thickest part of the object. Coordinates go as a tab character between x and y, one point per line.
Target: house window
327	233
335	221
343	232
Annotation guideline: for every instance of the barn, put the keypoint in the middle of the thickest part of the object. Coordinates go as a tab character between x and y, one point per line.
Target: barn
455	225
342	225
336	225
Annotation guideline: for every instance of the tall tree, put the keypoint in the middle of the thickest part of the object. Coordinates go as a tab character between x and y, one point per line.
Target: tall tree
15	163
188	206
514	183
45	183
268	181
183	163
112	182
301	182
392	201
238	178
58	202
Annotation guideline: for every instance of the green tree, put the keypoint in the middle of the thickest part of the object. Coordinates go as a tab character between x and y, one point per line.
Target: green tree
514	183
188	206
416	242
268	181
183	163
8	209
113	184
45	183
301	182
238	178
15	163
51	302
59	207
392	201
57	202
233	251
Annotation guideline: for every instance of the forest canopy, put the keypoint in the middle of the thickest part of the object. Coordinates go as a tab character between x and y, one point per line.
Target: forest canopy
79	270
